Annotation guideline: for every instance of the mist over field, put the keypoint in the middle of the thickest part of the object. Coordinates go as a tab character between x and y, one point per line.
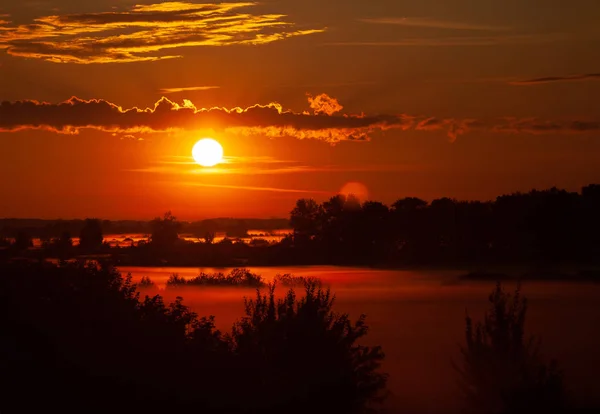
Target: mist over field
418	318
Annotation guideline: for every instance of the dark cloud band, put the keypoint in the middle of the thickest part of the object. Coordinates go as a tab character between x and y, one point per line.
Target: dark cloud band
271	120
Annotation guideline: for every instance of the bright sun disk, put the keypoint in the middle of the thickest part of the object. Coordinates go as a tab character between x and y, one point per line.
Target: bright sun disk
207	152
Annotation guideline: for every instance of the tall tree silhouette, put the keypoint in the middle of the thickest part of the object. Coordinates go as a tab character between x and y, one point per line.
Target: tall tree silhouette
305	219
503	370
307	353
165	231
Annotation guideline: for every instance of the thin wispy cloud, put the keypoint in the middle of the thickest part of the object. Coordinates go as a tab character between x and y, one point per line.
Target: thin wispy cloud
188	160
184	165
188	89
325	122
434	23
327	85
144	32
556	79
458	41
253	188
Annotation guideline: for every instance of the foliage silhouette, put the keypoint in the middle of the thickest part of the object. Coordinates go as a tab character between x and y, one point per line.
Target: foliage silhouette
146	283
289	340
548	226
538	228
165	231
289	280
236	277
503	370
79	338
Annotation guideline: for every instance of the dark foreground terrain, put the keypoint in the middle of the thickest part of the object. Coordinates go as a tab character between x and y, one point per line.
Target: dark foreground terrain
79	338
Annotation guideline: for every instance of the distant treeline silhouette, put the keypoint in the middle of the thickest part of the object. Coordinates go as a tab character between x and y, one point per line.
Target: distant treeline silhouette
545	225
79	338
538	226
238	277
48	229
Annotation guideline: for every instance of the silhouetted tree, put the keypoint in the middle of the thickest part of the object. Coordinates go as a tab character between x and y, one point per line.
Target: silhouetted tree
90	237
503	370
165	231
411	228
375	230
306	353
305	219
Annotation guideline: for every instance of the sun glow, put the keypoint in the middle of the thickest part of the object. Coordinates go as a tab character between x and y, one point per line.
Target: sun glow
207	152
359	190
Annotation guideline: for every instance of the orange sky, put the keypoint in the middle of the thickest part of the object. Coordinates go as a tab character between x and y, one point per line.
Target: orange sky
431	98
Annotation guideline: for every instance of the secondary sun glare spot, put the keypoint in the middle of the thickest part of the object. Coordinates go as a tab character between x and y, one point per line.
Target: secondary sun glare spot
207	152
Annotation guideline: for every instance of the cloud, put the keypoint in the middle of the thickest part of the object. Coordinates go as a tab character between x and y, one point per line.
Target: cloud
459	41
433	23
75	114
130	138
269	120
143	32
554	79
252	188
324	104
538	127
184	165
188	89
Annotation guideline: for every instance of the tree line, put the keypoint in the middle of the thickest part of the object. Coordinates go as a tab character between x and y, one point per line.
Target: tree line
546	225
49	229
539	226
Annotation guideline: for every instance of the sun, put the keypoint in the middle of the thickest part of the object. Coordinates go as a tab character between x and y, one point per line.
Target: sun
207	152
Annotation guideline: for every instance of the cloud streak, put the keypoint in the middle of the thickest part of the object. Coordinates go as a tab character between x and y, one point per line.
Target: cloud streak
184	165
433	23
324	123
555	79
144	32
253	188
188	89
458	41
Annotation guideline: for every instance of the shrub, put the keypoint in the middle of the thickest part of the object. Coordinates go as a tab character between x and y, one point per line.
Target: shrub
502	370
146	283
289	280
237	278
176	280
301	351
78	336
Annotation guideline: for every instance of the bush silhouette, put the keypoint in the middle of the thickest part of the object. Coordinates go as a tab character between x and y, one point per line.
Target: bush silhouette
236	278
176	281
289	280
304	353
78	338
502	370
146	283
